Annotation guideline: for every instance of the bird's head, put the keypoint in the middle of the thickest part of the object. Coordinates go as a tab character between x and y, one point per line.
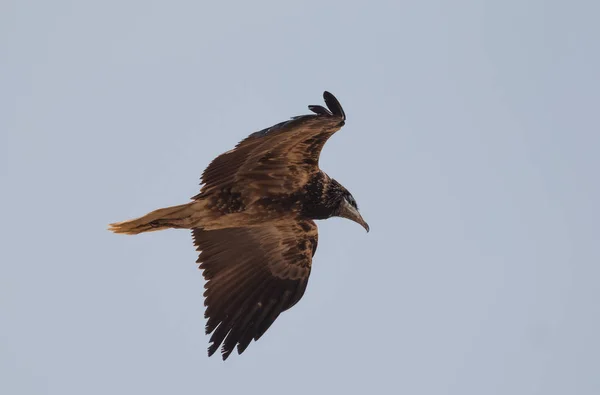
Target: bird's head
347	208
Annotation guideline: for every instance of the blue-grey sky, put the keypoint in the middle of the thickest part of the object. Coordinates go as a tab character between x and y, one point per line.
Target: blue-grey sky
472	147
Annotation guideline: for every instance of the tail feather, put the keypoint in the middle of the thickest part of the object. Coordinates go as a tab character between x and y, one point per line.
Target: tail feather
164	218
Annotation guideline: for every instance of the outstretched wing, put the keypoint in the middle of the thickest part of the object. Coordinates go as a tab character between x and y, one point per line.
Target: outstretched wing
278	158
253	274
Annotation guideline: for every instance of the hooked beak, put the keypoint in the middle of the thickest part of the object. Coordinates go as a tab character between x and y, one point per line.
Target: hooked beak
349	212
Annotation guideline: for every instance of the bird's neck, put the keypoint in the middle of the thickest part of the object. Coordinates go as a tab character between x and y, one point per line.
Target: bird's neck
321	197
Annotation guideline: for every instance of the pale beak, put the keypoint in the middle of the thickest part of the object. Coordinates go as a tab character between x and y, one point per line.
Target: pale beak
349	212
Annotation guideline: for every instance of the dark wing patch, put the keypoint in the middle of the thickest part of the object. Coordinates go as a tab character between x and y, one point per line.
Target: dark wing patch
253	275
278	158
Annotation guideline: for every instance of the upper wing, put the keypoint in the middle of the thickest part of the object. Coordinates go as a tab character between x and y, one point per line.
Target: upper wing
278	158
253	274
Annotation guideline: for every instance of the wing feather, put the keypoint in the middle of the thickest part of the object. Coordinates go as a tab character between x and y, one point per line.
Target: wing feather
334	105
253	274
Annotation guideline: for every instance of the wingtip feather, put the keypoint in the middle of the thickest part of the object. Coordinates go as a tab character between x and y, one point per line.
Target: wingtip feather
334	105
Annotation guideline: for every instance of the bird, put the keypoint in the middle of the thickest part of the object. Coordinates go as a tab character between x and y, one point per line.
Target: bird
253	224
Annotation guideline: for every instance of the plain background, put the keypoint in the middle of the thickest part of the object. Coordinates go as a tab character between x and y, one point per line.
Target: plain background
472	147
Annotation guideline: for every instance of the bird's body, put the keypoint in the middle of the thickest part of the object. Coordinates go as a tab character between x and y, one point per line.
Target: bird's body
253	223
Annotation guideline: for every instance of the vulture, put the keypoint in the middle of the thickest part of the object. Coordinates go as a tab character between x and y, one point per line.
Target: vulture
253	224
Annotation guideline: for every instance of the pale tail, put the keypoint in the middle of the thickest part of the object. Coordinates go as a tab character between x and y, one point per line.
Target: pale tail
170	217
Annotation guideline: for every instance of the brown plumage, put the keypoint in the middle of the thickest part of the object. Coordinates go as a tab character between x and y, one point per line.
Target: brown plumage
252	223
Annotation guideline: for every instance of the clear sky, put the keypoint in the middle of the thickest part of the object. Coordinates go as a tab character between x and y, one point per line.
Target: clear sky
472	147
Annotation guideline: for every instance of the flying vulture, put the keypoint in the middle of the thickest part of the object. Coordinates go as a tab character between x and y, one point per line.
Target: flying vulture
253	224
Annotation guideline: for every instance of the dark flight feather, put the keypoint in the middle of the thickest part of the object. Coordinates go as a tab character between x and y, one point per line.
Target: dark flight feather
334	105
320	110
